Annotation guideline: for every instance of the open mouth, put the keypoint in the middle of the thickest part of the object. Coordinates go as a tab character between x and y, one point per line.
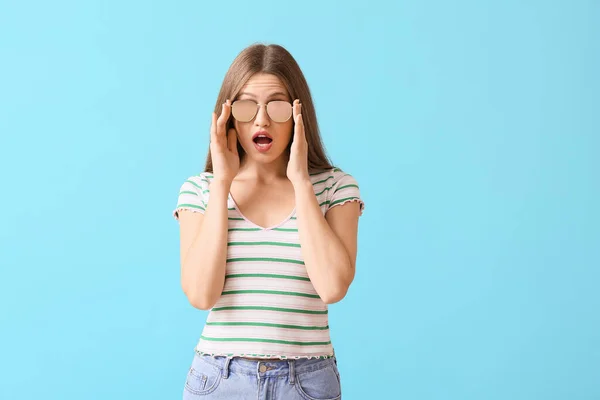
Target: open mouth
262	142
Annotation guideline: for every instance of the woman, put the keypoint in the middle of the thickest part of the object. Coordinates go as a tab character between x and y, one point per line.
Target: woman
268	238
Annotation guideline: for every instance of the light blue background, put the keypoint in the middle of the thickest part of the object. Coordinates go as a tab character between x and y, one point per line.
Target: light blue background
472	128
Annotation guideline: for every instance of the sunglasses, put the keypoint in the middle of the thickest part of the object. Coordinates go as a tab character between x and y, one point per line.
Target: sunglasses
246	110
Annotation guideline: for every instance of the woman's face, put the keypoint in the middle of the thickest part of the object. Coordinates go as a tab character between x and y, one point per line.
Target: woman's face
272	143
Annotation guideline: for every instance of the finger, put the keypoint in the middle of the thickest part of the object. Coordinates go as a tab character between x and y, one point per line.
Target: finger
295	109
221	122
300	119
213	128
300	128
232	140
225	111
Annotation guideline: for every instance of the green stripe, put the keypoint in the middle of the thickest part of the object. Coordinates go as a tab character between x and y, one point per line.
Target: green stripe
188	192
344	187
286	229
244	229
323	203
263	308
324	180
281	292
265	341
205	191
326	170
263	244
194	183
285	260
299	278
321	192
307	328
191	205
231	209
342	200
235	219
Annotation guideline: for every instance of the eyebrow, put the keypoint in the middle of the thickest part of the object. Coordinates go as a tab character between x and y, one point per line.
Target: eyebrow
270	96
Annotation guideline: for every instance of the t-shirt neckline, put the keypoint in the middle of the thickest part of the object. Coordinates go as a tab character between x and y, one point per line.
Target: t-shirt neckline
237	209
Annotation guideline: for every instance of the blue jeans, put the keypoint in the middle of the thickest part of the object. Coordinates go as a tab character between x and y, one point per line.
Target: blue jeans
218	377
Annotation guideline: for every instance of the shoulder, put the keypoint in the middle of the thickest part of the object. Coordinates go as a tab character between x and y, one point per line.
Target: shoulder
193	193
335	187
323	180
331	177
200	181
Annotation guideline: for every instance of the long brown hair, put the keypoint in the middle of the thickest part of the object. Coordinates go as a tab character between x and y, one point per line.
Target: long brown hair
276	60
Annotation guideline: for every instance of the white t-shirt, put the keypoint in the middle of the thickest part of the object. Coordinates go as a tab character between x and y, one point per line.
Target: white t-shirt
268	307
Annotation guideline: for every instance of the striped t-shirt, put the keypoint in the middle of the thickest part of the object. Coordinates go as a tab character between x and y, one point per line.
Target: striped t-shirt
268	307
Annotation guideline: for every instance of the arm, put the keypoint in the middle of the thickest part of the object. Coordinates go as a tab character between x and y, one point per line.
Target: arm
328	243
203	249
203	238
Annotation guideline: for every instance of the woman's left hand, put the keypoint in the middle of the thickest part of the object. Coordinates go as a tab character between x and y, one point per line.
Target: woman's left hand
297	169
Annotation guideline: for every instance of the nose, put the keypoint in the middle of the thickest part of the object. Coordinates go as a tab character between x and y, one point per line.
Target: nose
262	118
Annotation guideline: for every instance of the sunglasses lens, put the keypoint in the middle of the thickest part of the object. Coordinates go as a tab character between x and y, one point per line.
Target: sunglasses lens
279	111
244	110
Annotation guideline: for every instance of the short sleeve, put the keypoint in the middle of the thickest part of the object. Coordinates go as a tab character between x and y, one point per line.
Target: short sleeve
192	195
344	190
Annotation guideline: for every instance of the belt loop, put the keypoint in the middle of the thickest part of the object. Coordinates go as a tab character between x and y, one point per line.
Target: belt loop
226	367
292	377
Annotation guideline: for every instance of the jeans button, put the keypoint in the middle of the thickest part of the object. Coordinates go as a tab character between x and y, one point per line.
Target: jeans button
262	368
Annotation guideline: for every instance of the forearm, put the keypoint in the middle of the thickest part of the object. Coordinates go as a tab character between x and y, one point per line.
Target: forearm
204	264
327	261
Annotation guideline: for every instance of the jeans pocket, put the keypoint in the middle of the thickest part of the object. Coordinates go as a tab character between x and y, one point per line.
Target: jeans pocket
322	384
202	378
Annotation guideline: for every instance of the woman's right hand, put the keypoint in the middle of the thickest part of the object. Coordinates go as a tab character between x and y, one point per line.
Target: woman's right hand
223	146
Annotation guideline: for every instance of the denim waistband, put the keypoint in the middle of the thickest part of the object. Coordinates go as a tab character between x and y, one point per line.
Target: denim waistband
267	367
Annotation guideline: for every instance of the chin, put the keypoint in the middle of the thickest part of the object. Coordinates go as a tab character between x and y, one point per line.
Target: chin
264	158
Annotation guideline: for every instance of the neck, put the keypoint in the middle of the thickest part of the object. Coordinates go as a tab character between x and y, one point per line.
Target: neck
276	170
